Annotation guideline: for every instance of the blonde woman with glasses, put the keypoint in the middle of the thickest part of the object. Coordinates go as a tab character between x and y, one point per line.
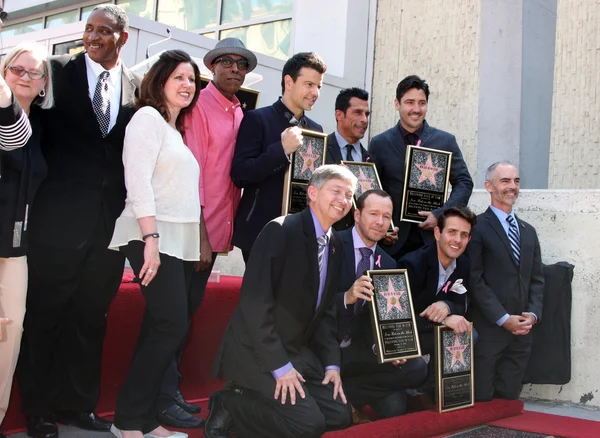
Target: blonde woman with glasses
25	89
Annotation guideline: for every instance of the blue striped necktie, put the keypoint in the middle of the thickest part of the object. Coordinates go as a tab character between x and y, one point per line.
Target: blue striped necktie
513	238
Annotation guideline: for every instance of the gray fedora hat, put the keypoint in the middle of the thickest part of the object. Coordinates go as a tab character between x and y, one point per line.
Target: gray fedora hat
230	46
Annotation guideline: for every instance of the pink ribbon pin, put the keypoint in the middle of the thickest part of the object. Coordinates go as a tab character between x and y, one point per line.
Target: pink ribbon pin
378	262
445	288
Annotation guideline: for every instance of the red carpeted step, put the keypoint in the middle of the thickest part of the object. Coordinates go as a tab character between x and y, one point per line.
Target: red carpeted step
208	325
559	425
123	325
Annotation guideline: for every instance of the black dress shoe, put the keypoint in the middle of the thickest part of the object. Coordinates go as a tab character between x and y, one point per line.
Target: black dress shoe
219	423
188	407
175	416
41	427
83	420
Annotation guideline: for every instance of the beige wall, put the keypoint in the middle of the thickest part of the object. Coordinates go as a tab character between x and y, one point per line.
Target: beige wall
416	37
575	143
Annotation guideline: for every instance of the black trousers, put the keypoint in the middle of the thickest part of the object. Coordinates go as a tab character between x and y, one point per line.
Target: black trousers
500	364
172	378
164	326
258	416
69	293
382	386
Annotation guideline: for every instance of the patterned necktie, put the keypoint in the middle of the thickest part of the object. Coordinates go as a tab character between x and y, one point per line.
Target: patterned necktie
363	265
513	238
101	103
322	243
349	148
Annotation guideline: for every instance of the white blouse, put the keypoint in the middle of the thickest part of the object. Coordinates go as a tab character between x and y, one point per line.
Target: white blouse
161	176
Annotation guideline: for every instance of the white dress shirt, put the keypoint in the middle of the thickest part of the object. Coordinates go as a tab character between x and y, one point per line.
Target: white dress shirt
342	142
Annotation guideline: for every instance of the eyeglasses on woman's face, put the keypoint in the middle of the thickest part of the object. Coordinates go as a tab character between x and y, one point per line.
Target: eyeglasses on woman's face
34	75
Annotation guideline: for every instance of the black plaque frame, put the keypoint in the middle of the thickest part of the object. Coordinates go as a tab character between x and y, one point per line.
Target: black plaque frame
356	167
297	175
403	327
446	378
424	196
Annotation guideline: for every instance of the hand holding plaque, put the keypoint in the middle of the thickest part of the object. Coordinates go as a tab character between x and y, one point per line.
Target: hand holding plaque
393	317
426	182
309	156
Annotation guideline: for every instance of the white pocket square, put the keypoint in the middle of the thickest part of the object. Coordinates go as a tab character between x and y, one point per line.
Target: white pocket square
458	287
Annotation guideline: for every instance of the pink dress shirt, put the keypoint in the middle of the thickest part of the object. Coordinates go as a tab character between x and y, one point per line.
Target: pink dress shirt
210	133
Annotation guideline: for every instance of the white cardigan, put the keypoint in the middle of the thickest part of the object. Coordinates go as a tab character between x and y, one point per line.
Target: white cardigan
161	176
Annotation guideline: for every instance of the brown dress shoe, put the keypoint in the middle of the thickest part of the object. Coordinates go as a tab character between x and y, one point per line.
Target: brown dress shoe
358	417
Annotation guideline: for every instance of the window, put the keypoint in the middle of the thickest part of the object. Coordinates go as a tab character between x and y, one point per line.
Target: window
21	28
272	39
143	8
85	12
263	25
244	10
63	18
188	14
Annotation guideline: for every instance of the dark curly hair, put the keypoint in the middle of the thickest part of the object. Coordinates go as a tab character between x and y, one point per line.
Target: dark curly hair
152	89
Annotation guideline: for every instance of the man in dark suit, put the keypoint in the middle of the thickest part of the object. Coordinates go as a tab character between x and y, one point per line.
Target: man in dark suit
72	275
382	386
352	118
438	274
280	352
507	288
388	151
265	141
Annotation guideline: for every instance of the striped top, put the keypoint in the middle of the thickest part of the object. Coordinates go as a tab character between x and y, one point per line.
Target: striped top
15	128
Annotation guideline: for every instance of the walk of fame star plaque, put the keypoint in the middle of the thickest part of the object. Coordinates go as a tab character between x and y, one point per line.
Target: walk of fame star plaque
303	163
454	369
393	316
368	179
426	182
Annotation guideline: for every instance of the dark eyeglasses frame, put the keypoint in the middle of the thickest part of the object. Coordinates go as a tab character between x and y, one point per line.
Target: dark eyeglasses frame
227	62
20	72
3	14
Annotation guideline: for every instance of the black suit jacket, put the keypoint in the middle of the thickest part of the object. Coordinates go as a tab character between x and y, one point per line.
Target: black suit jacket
388	151
275	321
334	156
423	275
85	171
499	284
258	166
357	326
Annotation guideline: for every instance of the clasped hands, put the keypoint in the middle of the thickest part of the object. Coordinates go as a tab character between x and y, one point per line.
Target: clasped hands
290	382
520	325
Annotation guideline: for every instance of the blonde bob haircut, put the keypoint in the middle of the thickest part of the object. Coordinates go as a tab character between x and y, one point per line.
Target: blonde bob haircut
38	52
